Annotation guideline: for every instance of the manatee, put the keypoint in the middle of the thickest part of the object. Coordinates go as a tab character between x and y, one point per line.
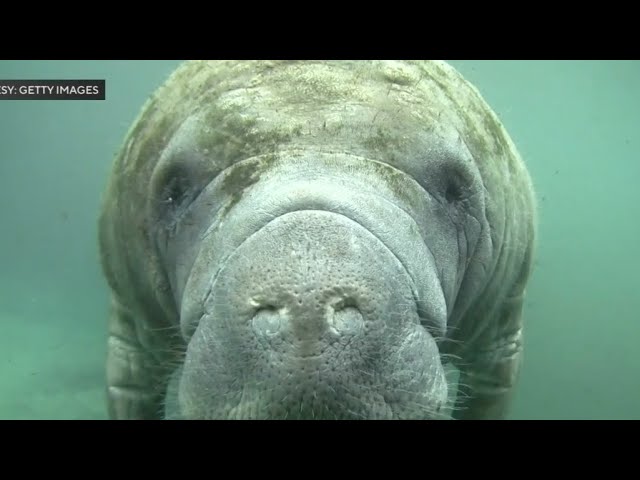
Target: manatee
316	240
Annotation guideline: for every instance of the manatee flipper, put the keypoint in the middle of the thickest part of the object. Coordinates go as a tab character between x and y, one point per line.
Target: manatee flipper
130	385
489	372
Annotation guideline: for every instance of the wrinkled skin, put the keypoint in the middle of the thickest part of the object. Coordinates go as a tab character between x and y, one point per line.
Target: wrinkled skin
316	240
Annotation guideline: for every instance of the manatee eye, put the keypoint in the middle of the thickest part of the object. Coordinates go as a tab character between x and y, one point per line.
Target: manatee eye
173	186
456	184
453	191
174	192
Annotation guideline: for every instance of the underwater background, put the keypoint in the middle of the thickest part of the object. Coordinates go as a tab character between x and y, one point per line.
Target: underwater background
576	124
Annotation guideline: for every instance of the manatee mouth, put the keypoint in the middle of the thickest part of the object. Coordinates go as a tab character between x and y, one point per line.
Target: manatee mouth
312	316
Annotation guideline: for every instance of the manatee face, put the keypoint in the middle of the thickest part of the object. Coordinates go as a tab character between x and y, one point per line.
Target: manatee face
322	291
318	242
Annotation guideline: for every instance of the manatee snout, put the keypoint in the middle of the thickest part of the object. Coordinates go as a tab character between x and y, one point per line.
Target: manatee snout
313	316
312	277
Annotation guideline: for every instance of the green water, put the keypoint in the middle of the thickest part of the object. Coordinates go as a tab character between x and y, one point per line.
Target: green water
575	123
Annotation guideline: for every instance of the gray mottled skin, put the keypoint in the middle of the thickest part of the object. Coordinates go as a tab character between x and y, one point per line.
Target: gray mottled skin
315	240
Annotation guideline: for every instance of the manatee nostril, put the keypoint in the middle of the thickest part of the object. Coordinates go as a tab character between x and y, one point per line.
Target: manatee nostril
267	320
344	317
